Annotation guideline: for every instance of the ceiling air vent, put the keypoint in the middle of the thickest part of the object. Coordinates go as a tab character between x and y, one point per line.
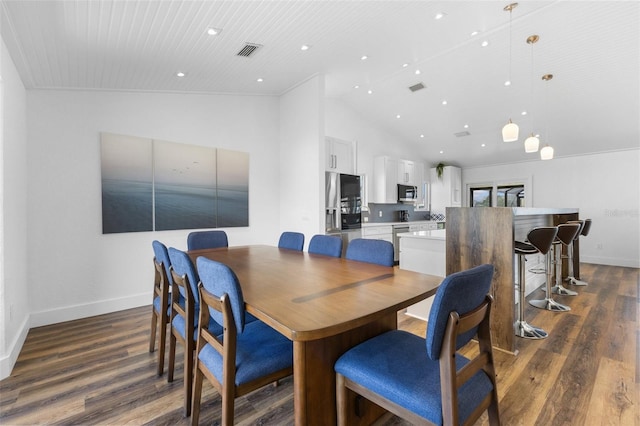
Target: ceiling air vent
248	49
416	87
462	134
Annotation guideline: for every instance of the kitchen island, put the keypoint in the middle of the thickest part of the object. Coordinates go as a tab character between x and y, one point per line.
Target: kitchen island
478	235
423	251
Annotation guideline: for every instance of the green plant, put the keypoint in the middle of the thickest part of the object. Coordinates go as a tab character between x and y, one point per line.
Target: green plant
439	170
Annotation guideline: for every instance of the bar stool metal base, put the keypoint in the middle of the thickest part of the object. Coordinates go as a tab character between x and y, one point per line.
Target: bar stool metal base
560	289
549	305
575	281
523	329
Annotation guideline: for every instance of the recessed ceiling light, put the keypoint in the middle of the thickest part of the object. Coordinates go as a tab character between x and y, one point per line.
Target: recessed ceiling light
259	80
483	145
417	72
397	115
214	31
305	47
466	126
507	83
422	136
484	43
439	15
370	91
356	87
405	65
363	57
180	74
474	33
441	152
523	113
444	102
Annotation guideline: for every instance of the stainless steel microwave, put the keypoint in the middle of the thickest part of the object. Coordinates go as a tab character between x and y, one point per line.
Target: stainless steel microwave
407	193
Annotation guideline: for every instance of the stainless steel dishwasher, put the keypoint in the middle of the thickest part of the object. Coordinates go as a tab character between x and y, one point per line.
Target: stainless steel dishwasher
398	229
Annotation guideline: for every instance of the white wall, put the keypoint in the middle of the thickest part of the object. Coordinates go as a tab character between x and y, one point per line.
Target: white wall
74	270
14	302
300	166
605	187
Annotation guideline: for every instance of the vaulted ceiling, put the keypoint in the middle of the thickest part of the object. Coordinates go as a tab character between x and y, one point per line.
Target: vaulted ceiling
592	48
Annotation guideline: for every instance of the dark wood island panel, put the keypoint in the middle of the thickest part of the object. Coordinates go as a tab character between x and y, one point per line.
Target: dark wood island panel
478	235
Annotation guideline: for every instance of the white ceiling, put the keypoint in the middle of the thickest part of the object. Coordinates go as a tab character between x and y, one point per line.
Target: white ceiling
591	48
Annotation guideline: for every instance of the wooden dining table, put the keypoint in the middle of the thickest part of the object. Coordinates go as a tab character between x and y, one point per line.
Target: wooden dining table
325	305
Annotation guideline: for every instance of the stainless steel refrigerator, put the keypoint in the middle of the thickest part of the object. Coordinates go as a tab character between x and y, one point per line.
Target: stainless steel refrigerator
343	204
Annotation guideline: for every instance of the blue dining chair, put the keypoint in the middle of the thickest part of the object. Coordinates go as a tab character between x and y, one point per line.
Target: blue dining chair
291	240
198	240
425	381
328	245
247	356
160	306
371	251
185	305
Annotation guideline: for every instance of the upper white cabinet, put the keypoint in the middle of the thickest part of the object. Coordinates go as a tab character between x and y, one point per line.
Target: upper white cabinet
385	180
446	191
340	156
389	172
407	172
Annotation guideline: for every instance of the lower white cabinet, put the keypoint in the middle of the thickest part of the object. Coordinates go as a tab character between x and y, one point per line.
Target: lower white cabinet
428	256
384	232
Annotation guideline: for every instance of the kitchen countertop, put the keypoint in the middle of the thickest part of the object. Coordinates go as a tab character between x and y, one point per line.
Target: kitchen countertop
413	222
436	234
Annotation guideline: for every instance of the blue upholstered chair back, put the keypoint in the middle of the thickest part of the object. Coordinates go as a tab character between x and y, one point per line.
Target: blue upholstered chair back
218	279
162	255
328	245
207	240
291	241
182	265
461	292
371	251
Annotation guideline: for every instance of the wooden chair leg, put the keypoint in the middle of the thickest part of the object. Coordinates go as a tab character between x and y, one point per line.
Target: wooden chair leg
172	357
197	394
163	342
228	404
188	377
341	400
154	324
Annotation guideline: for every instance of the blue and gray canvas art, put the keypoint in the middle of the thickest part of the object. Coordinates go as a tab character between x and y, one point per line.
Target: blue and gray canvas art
188	187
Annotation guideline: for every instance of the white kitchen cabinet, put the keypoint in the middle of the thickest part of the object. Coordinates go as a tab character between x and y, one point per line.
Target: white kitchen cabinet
340	156
382	232
446	191
406	173
385	175
423	252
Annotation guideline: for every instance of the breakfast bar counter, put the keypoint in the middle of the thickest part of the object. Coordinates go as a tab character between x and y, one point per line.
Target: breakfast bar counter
477	235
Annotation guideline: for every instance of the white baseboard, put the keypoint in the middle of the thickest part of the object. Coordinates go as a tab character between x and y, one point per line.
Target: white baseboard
611	261
70	313
8	361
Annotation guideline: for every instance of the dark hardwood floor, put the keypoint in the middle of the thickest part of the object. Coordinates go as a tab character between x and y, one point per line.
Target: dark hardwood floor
98	370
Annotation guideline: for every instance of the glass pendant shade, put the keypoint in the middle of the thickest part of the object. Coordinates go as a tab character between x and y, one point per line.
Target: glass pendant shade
546	153
531	144
510	132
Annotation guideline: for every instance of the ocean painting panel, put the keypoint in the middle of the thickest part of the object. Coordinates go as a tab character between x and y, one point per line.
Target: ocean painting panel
185	186
233	188
127	183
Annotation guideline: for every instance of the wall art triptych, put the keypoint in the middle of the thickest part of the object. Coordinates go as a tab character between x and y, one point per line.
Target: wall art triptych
156	185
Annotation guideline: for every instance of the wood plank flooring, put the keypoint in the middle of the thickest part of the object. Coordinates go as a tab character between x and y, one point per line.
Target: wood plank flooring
98	370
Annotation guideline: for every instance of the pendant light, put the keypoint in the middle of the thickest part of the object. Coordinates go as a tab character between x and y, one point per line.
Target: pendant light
511	129
546	153
532	143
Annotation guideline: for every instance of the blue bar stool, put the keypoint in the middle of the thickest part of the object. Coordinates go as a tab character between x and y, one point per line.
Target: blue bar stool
539	240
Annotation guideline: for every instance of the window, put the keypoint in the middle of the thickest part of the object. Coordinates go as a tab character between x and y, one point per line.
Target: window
510	196
481	197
